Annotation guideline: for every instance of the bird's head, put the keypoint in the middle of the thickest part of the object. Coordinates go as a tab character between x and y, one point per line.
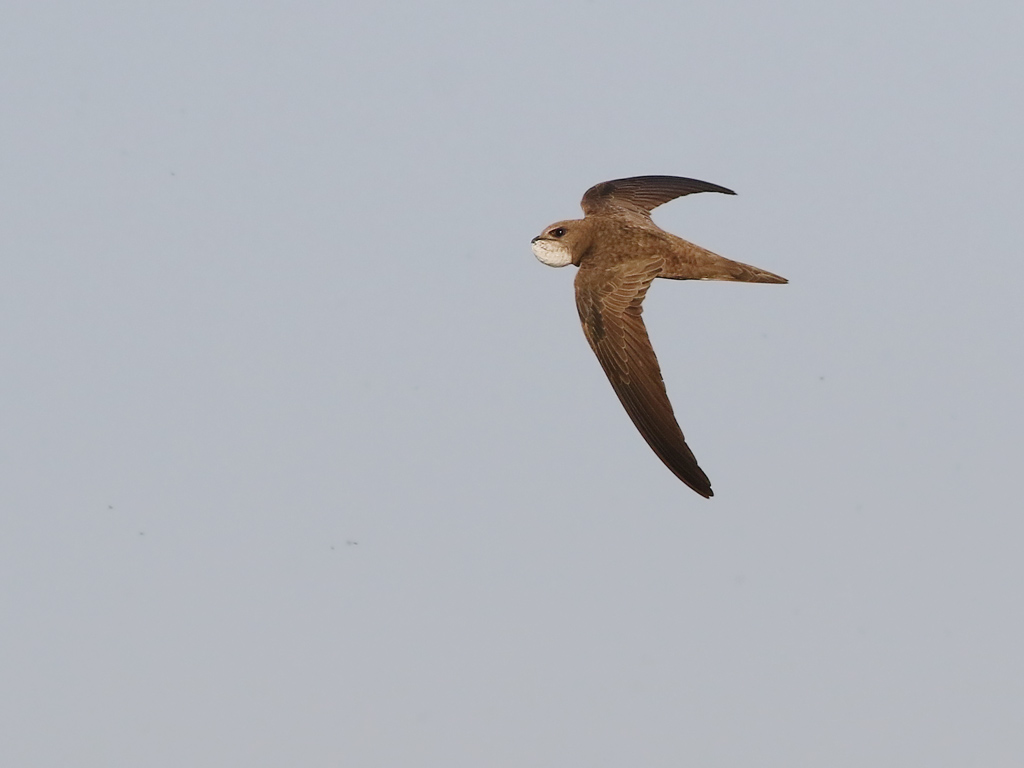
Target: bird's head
561	243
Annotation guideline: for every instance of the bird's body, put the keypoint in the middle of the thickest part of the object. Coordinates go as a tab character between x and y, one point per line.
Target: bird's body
619	252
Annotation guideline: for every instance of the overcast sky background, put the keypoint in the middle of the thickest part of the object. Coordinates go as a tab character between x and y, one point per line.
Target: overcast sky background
305	459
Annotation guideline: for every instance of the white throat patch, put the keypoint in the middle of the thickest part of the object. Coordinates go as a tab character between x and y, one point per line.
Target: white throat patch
552	253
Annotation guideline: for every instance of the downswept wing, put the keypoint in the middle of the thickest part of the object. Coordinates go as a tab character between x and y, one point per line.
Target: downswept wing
639	195
609	298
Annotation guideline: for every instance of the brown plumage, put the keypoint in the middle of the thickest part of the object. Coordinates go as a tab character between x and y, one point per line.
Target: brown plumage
619	252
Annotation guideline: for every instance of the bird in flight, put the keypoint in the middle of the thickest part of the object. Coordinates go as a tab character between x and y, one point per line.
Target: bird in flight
619	252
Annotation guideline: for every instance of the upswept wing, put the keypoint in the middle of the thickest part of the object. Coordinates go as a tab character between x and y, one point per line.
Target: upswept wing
638	195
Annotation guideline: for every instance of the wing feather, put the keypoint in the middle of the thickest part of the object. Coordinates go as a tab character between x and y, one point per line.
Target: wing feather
609	299
638	195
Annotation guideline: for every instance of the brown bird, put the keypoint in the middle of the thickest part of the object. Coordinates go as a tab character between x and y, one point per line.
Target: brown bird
619	252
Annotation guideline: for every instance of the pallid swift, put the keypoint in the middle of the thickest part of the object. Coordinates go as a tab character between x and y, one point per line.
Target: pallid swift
619	252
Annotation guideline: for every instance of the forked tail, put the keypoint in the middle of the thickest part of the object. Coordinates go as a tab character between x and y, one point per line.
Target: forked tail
691	262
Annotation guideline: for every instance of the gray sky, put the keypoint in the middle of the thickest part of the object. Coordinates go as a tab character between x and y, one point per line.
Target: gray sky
305	459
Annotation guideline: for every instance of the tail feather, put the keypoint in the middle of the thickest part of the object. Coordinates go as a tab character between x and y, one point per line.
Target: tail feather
687	261
744	273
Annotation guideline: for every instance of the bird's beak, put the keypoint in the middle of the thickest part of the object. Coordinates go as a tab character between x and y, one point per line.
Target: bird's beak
538	237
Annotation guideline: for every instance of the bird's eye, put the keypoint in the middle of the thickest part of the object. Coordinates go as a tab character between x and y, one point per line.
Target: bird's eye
558	232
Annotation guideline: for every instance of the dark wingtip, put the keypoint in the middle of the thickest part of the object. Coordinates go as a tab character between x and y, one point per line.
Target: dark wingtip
699	484
718	188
